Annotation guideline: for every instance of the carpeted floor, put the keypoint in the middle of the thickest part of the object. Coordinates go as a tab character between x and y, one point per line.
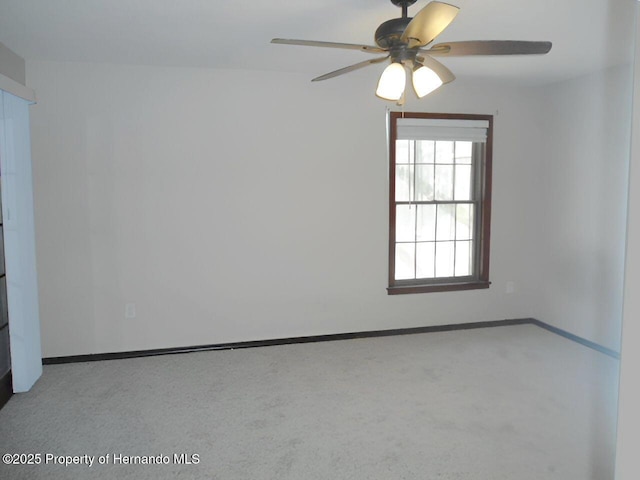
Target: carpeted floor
505	403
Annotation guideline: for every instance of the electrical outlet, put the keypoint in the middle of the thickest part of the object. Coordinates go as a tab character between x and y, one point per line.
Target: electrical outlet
130	310
510	287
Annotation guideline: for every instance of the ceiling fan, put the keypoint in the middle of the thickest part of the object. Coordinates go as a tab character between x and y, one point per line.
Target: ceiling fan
403	40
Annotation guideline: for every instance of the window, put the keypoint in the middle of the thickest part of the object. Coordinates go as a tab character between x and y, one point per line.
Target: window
439	202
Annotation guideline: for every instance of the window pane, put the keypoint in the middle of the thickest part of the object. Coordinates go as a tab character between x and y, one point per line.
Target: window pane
405	223
402	151
444	152
404	181
444	182
444	259
426	223
425	151
464	221
463	259
424	182
425	260
405	261
463	182
445	228
463	152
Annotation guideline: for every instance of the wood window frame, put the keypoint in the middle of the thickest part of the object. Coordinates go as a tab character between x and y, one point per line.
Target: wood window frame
481	278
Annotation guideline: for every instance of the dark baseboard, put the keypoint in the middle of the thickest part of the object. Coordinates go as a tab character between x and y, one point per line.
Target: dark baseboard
280	341
577	339
6	388
325	338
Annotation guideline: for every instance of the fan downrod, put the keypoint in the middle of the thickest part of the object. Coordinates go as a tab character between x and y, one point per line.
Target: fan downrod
404	4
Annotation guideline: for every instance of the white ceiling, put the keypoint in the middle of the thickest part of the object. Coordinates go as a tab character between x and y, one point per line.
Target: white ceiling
587	35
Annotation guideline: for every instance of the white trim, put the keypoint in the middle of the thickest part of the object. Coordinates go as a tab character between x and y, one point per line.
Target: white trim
14	88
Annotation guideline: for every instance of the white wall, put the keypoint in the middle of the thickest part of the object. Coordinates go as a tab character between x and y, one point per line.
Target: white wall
232	206
627	461
12	65
582	193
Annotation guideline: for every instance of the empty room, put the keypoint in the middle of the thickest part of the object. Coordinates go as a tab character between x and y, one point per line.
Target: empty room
332	239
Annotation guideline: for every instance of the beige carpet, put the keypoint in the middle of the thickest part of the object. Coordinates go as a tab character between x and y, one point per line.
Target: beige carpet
512	403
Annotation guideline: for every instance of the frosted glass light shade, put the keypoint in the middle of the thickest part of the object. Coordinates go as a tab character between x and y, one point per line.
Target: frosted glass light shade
392	82
425	81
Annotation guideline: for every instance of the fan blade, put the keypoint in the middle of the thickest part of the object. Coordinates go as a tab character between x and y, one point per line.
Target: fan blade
429	23
443	72
350	68
489	47
313	43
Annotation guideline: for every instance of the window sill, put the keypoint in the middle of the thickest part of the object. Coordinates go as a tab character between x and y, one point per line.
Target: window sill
441	287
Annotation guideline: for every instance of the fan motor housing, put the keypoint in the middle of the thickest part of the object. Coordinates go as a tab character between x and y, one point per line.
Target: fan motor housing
388	33
403	3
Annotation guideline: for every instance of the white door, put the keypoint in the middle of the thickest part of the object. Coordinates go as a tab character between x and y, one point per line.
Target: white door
19	241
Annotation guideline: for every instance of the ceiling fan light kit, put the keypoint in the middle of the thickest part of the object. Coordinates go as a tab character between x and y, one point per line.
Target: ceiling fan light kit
403	40
392	82
425	80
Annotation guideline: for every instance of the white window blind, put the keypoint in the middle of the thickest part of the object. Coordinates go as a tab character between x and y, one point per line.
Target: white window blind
442	129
